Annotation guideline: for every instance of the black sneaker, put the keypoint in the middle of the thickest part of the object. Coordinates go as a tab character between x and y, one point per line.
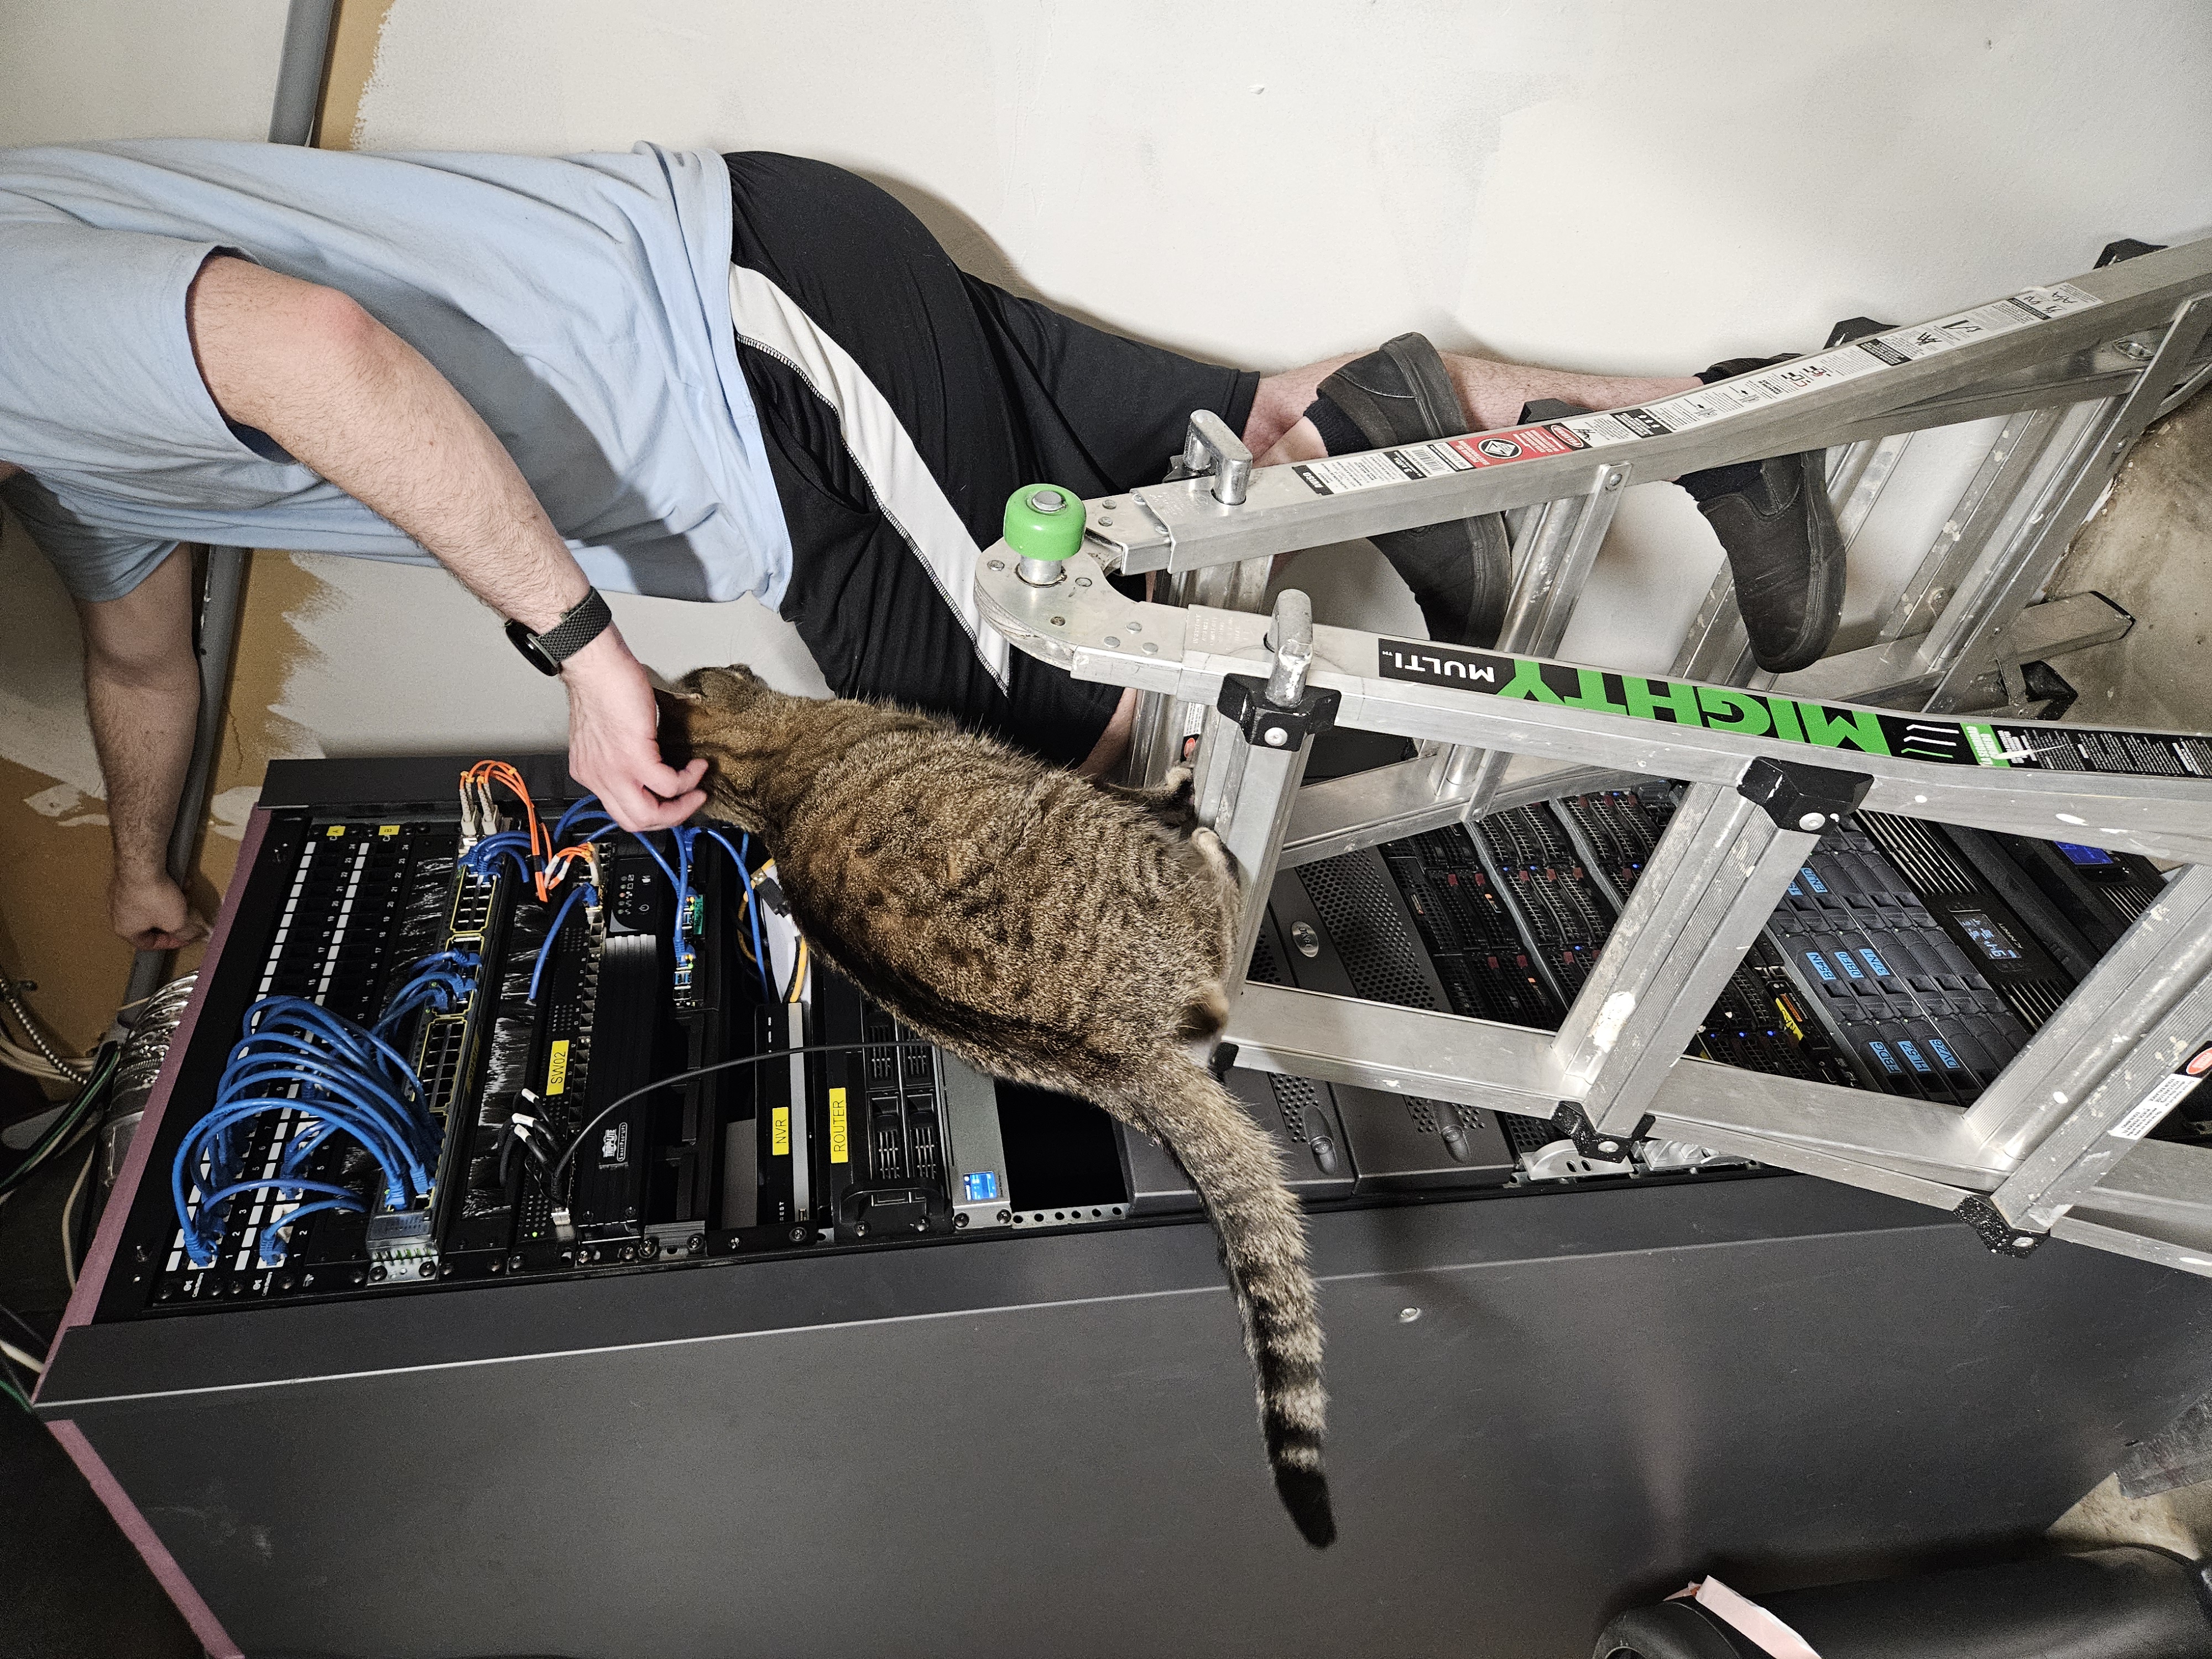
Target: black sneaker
1462	572
1773	520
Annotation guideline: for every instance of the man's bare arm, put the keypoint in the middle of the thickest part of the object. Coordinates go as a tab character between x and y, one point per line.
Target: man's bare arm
142	686
349	398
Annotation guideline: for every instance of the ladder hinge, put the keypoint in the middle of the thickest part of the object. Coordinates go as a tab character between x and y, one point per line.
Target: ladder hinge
1570	1121
1244	700
1801	797
1993	1230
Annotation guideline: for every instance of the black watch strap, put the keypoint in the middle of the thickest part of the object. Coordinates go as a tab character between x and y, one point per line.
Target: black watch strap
584	622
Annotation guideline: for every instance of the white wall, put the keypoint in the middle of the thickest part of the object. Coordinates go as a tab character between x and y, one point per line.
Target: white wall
1596	184
77	70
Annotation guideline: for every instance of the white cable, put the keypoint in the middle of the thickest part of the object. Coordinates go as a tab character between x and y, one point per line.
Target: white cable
69	1209
22	1060
37	1367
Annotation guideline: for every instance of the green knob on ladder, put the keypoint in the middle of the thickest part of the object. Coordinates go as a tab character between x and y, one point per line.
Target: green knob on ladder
1044	522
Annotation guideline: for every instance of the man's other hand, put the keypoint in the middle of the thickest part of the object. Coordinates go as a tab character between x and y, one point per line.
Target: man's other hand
151	912
614	748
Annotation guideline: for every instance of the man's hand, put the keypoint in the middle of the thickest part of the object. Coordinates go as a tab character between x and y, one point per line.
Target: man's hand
149	911
613	750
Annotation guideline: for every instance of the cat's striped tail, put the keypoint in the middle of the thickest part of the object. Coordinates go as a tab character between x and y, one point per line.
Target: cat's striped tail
1234	1167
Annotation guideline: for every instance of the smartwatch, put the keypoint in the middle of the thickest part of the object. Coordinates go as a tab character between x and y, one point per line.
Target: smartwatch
583	623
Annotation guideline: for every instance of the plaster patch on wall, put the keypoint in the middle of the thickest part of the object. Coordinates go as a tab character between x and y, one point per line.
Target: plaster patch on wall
66	803
55	742
228	813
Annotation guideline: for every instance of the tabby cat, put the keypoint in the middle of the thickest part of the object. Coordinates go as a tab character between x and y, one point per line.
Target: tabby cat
1051	930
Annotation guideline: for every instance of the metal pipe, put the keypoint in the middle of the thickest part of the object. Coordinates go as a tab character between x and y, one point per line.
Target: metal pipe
300	71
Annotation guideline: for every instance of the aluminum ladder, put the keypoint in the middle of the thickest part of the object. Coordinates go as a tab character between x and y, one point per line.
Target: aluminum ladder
2054	1146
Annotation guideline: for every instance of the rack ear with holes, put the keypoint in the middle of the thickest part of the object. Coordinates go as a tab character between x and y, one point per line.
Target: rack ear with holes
840	1283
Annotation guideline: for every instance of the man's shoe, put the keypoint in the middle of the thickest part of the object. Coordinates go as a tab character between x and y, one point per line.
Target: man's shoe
1462	572
1773	520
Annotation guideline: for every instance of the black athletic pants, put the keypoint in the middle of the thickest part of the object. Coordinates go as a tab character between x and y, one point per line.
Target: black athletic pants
901	402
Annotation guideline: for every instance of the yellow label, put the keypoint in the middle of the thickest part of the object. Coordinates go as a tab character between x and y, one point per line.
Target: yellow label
1788	1023
556	1067
388	829
839	1150
335	831
779	1132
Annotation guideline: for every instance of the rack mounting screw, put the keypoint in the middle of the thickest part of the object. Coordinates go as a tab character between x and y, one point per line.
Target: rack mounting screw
1408	1316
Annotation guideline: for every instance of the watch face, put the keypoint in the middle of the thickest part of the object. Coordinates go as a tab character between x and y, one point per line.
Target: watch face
533	652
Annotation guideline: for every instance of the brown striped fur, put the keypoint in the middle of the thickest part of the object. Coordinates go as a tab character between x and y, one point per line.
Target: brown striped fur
1053	931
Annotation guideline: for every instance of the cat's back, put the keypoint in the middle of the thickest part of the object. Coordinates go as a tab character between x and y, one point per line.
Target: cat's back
930	850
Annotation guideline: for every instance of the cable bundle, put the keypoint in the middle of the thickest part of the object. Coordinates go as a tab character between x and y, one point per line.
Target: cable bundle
441	982
295	1056
545	857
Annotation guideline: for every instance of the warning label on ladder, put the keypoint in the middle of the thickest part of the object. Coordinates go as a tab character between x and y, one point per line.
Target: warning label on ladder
1804	374
1339	474
1789	719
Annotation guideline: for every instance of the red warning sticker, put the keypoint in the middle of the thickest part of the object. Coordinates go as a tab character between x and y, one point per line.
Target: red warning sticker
1495	448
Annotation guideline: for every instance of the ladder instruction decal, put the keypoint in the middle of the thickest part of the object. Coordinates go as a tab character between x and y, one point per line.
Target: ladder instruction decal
1802	374
1788	719
1410	463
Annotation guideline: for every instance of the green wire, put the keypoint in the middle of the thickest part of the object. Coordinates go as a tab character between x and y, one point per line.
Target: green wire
8	1384
63	1128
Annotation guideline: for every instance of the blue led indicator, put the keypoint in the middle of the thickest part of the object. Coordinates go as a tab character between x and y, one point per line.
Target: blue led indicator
1919	1061
1820	966
981	1186
2090	855
1881	1051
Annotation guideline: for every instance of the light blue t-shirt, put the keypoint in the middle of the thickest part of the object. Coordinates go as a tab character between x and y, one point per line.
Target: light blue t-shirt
580	305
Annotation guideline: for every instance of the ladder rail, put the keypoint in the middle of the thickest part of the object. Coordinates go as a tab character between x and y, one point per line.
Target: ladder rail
2052	1147
1182	527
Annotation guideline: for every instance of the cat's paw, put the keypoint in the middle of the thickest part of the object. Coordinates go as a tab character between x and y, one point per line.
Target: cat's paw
1177	781
1211	849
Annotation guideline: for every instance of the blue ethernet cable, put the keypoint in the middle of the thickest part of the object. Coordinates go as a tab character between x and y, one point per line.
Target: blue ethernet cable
347	1206
753	904
315	1072
402	1165
343	1034
560	916
682	841
198	1221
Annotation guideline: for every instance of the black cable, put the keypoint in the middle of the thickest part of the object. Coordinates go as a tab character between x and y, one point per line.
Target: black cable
65	1130
25	1327
553	1181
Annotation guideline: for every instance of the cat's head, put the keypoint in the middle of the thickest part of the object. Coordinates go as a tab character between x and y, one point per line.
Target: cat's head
720	713
730	690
